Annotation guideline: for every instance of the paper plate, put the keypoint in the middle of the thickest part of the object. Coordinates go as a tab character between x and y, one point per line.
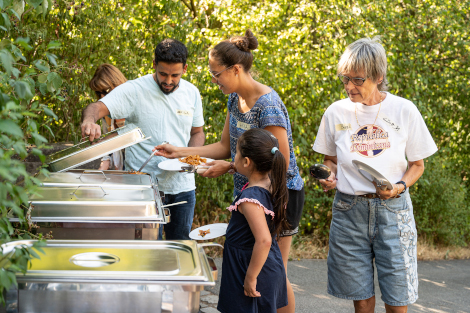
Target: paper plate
371	174
217	230
175	164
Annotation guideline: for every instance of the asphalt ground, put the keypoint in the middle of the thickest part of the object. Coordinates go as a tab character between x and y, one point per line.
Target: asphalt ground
444	287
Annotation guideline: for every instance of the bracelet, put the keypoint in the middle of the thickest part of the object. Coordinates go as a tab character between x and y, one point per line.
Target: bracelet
232	169
404	184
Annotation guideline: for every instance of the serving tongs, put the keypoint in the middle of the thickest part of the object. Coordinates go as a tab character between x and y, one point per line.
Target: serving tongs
194	168
150	157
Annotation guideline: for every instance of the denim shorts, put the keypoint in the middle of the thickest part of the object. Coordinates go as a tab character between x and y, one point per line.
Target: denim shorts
366	229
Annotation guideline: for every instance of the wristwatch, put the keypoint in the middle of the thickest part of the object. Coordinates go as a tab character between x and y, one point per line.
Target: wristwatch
404	184
232	169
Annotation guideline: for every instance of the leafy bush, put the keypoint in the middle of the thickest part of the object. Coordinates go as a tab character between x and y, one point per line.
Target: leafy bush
440	204
26	81
299	46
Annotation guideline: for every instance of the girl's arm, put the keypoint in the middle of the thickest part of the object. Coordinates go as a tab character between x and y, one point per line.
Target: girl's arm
257	221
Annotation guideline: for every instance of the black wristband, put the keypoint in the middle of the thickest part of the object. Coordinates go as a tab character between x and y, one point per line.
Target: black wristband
404	184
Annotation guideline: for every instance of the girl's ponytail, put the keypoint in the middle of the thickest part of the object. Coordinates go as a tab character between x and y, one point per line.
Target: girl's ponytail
263	149
279	192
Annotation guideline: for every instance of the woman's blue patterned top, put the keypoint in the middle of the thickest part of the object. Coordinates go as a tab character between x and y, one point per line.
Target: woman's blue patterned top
269	110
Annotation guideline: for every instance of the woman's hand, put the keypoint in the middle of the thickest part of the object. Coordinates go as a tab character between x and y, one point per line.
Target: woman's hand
216	169
387	193
329	183
250	288
166	150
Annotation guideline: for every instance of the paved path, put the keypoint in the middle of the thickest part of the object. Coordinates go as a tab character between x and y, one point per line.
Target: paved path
444	287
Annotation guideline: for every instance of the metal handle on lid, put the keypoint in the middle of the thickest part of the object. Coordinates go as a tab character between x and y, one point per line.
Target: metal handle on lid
104	192
84	139
93	171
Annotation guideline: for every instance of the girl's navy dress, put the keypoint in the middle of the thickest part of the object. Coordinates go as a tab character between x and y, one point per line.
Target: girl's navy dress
271	282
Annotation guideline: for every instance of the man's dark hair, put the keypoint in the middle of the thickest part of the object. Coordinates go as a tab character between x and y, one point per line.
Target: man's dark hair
171	51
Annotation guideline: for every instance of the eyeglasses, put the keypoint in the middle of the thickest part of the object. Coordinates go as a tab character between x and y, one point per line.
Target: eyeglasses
217	75
357	81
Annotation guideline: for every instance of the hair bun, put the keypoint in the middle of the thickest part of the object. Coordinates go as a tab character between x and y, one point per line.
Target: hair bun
245	43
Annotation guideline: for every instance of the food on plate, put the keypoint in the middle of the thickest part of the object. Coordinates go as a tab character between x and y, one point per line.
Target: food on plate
203	233
136	172
193	160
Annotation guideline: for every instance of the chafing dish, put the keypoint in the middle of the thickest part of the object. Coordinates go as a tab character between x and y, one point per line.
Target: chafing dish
112	276
88	204
87	151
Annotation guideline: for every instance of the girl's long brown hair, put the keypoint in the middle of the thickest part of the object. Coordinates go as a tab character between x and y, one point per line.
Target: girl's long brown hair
257	144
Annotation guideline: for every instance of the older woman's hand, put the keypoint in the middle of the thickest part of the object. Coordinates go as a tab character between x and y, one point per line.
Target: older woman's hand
329	183
387	193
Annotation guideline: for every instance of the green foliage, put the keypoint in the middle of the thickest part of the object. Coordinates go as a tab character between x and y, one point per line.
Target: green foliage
299	46
26	77
440	204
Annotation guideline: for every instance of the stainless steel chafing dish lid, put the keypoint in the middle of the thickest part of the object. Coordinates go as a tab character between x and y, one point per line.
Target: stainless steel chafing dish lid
86	151
106	179
95	203
113	261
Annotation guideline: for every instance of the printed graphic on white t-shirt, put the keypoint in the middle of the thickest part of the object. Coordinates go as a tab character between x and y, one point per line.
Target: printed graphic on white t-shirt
370	141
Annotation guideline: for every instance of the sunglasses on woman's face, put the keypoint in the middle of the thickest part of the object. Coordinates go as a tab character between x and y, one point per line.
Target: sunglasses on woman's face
100	94
358	81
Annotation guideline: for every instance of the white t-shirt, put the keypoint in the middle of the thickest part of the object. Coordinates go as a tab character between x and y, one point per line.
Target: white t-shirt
399	134
164	118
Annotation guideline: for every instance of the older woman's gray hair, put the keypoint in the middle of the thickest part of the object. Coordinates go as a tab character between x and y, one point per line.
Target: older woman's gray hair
367	55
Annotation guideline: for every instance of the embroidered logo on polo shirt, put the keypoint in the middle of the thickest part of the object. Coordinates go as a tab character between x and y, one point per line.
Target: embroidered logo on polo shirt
184	113
243	125
370	141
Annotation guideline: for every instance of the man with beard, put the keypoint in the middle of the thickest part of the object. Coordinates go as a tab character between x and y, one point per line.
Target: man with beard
167	108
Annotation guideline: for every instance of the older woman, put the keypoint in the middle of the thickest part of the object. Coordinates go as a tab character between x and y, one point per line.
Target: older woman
387	133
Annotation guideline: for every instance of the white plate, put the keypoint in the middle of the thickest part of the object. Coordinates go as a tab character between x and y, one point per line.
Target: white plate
217	230
371	174
176	164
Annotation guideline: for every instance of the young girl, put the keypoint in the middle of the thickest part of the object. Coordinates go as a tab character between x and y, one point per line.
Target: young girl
253	274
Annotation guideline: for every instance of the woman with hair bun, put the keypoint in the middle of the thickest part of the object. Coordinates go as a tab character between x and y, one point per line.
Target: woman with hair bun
251	104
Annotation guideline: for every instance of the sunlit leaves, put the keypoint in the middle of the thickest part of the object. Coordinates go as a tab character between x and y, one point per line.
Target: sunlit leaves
34	3
10	127
23	69
42	65
18	8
